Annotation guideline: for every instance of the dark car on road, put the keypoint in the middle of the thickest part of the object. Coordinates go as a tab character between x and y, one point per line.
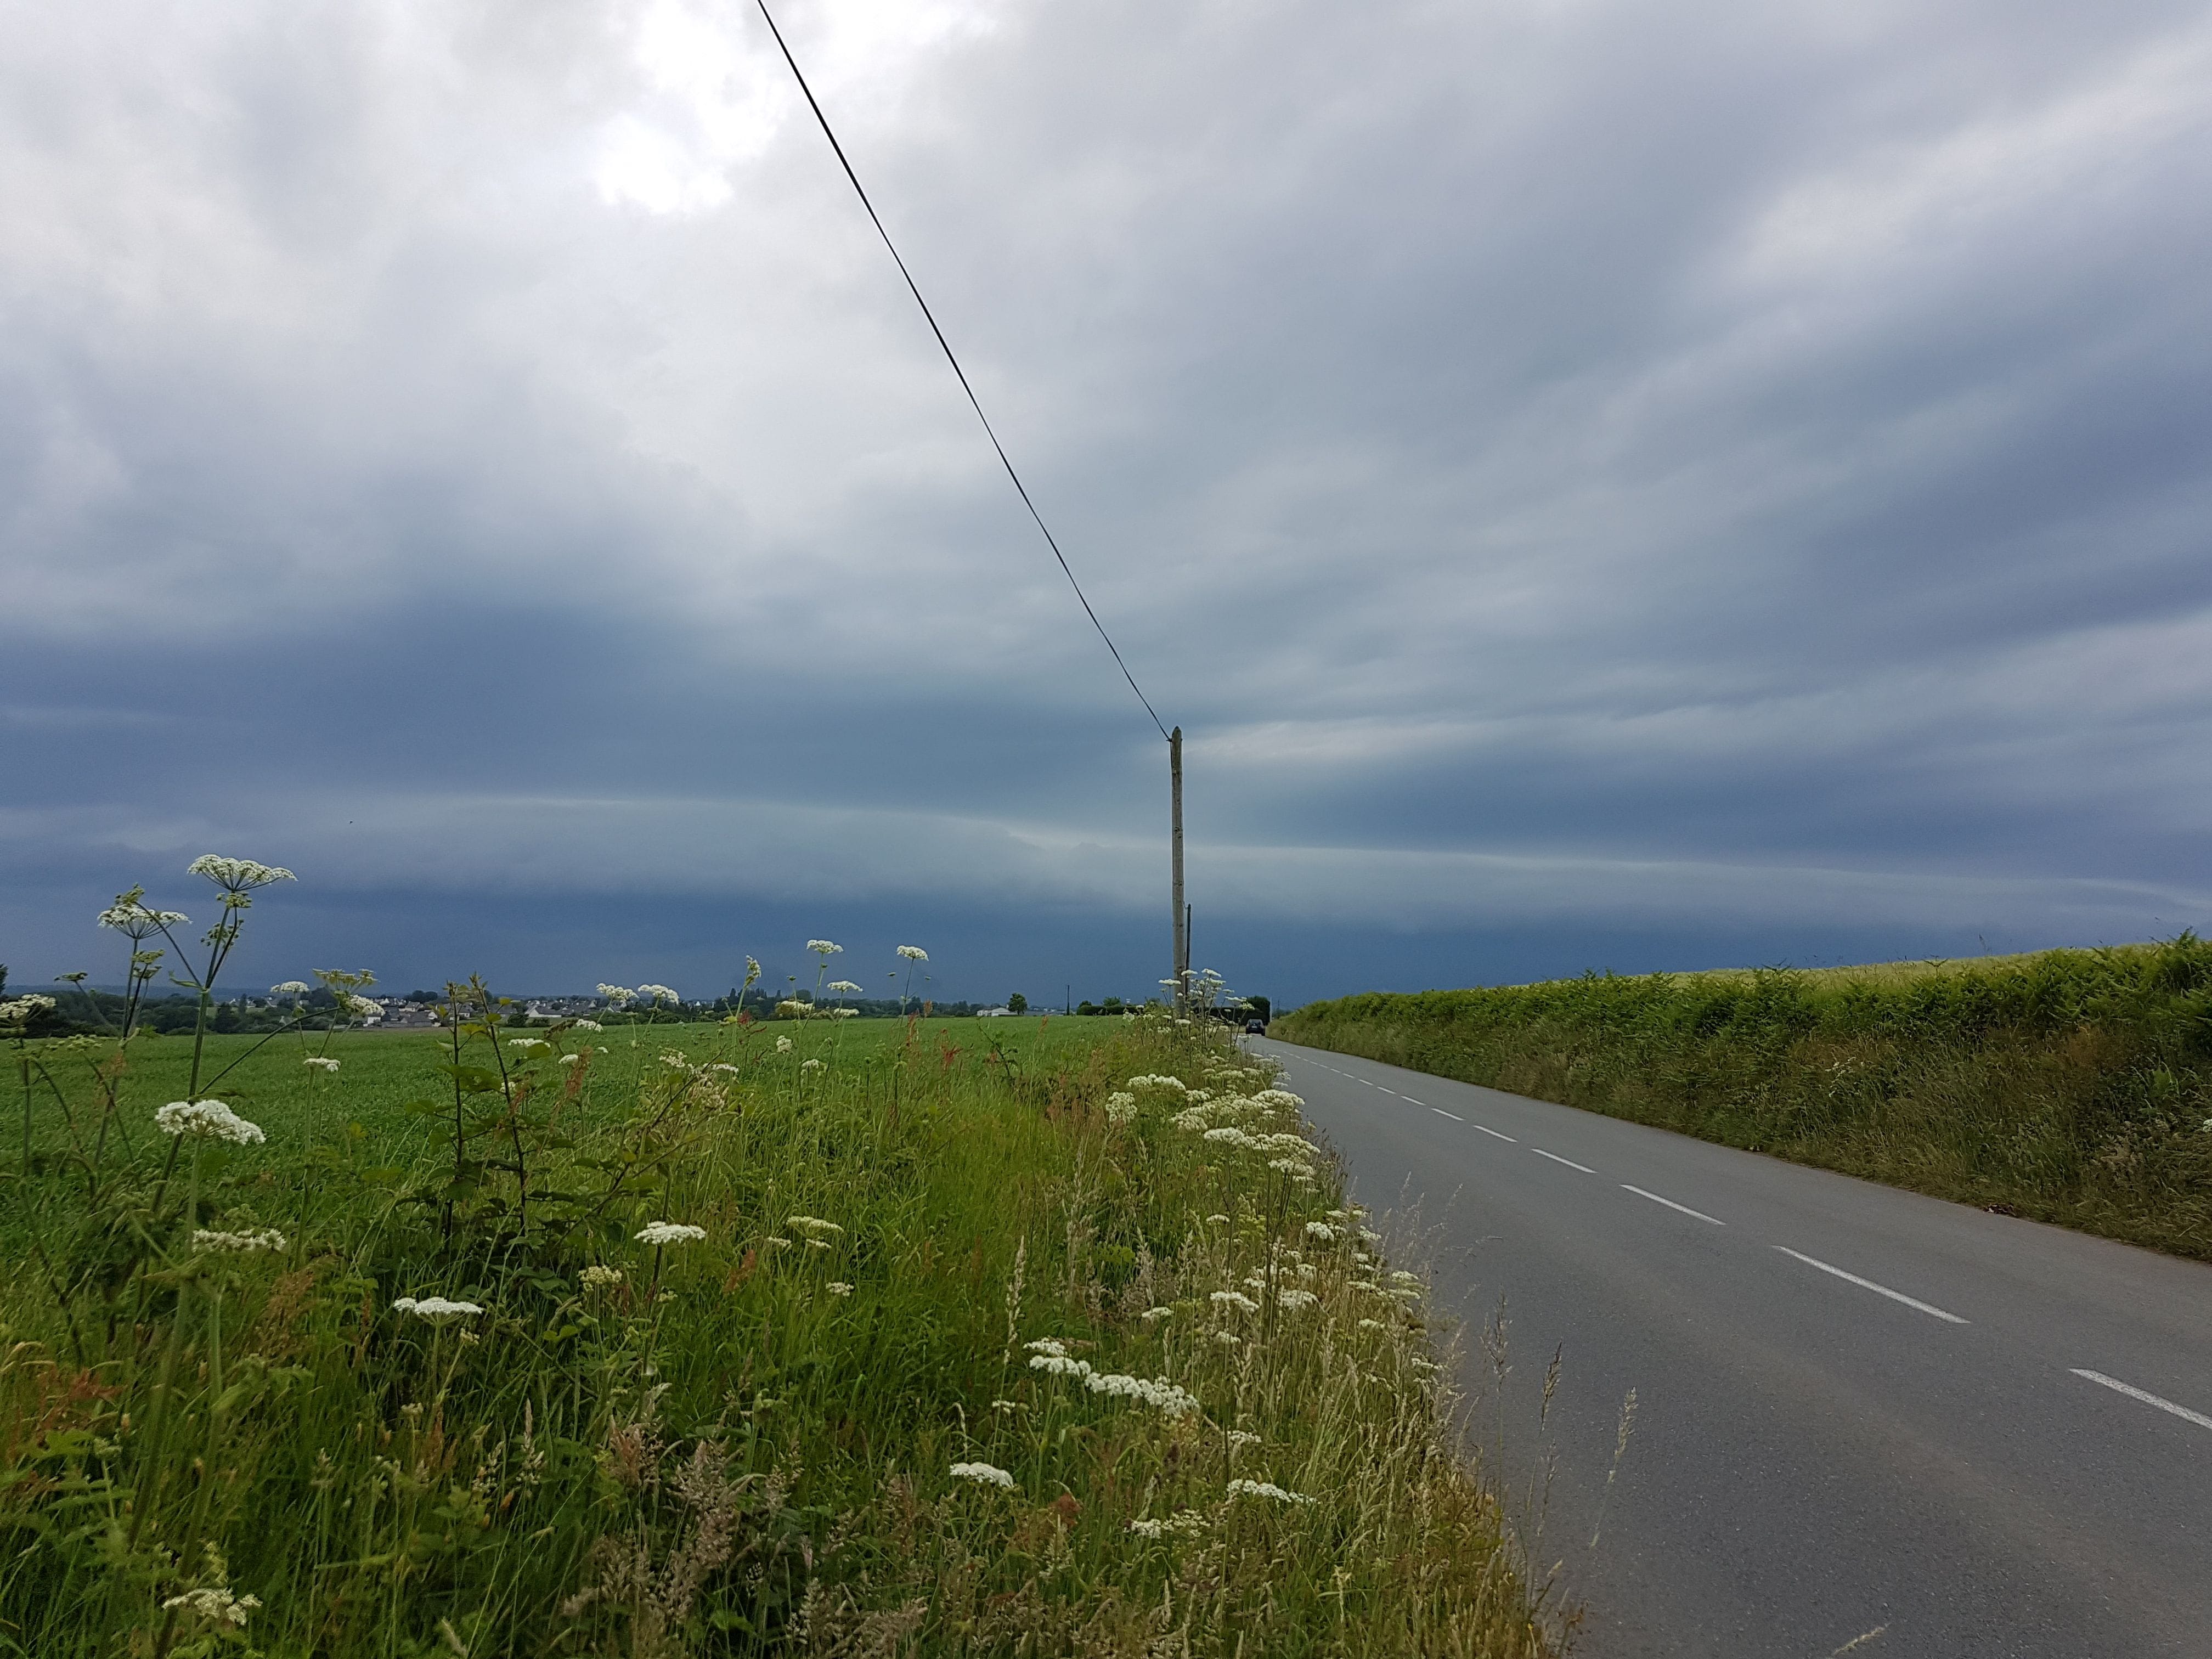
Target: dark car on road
1255	1027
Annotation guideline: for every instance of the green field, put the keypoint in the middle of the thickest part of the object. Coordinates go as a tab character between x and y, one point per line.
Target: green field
1199	1415
2071	1087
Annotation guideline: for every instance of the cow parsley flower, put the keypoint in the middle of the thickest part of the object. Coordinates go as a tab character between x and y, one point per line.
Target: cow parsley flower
320	1062
1322	1231
1050	1356
620	996
1183	1521
208	1239
207	1120
983	1475
216	1605
588	1025
659	994
1266	1489
823	948
435	1308
1240	1438
813	1066
838	1287
291	987
913	953
1120	1107
130	917
659	1233
813	1225
1236	1299
783	1045
528	1045
569	1060
1294	1298
723	1066
236	875
845	987
1154	1316
362	1008
599	1277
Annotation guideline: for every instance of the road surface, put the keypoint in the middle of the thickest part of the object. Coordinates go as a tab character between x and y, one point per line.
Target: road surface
1862	1416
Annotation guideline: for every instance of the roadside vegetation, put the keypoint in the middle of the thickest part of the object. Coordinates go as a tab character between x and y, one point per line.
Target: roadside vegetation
2070	1086
811	1337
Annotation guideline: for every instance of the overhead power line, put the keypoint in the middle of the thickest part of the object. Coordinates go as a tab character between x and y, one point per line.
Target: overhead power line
974	402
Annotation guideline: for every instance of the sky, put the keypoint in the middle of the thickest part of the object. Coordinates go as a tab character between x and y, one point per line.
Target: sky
1599	486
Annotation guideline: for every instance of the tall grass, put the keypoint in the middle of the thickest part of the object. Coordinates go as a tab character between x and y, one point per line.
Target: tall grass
2072	1086
403	1378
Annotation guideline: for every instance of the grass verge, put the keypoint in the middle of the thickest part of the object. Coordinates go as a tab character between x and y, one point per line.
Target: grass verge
2071	1087
943	1337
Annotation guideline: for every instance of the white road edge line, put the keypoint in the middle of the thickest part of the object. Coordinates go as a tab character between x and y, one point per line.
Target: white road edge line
1487	1130
2146	1397
1440	1112
1672	1205
1569	1162
1878	1290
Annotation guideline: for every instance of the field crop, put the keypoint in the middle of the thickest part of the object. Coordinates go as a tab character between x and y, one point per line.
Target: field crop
2071	1087
806	1337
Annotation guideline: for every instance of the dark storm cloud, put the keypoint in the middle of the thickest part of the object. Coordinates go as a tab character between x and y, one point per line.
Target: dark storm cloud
1597	485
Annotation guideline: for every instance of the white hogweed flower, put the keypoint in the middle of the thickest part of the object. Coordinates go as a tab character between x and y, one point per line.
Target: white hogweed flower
1322	1231
588	1025
291	987
813	1225
657	1233
823	948
659	994
362	1008
845	986
813	1066
620	996
1236	1299
217	1605
838	1287
207	1238
237	875
599	1277
528	1045
320	1062
1121	1109
139	919
1266	1489
783	1045
435	1308
913	953
207	1120
983	1475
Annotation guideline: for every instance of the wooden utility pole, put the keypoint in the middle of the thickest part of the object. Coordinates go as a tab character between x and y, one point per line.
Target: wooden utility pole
1181	915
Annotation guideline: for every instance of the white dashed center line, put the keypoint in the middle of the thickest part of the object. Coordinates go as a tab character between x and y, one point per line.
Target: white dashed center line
1440	1112
1672	1205
1487	1130
1868	1285
2146	1396
1569	1162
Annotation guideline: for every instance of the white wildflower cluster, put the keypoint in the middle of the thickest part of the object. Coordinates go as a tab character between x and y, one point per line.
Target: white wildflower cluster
725	1067
823	948
983	1475
1295	1298
207	1120
844	987
290	988
658	993
599	1277
1280	1100
783	1045
1322	1231
1121	1109
1049	1354
812	1226
1236	1299
1173	1084
813	1066
127	915
215	1605
588	1025
362	1008
913	953
209	1238
236	875
1240	1438
1182	1523
320	1062
1266	1489
619	996
838	1287
660	1233
435	1308
569	1060
669	1057
528	1045
1154	1316
20	1009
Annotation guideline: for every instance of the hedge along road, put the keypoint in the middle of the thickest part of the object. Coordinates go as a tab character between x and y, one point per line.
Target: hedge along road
1865	1421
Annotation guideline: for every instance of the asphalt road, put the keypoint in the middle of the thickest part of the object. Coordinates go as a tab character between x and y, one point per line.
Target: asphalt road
1862	1416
